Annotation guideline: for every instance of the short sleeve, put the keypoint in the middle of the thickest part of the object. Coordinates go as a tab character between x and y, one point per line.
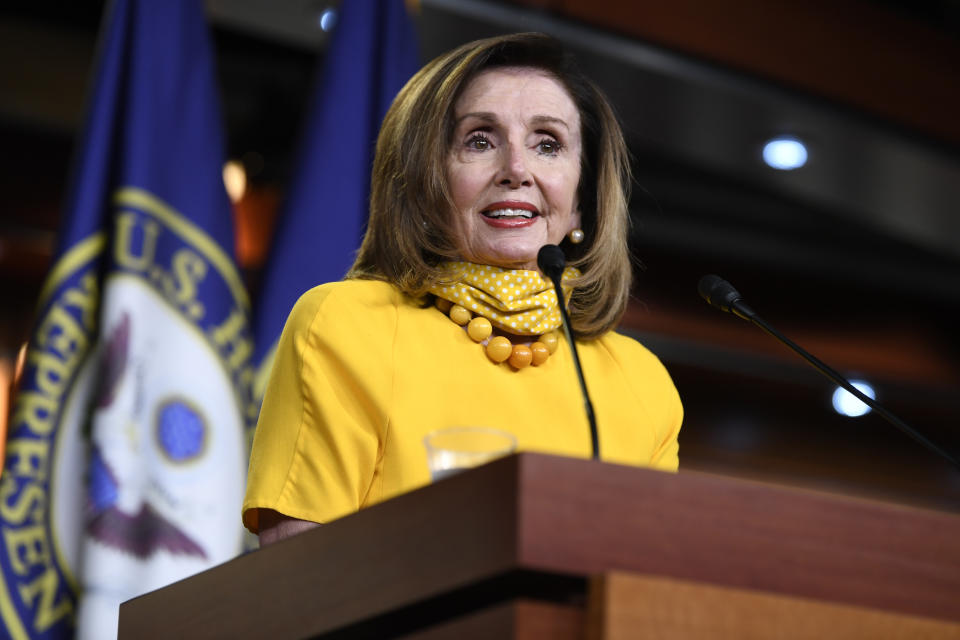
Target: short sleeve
653	386
667	455
318	438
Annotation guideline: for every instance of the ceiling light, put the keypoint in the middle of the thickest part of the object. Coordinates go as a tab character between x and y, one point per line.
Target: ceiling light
847	404
235	180
327	18
785	153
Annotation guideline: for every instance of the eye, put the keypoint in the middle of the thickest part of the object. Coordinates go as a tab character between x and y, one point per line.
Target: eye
549	146
479	142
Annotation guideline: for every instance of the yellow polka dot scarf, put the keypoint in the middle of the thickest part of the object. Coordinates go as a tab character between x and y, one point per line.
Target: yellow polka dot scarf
515	300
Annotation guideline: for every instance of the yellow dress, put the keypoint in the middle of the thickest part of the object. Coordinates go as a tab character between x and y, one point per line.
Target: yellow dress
363	372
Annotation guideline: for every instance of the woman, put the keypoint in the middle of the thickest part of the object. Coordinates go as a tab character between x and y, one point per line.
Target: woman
488	153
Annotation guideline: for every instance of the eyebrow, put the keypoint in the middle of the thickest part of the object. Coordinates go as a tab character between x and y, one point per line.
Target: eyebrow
489	116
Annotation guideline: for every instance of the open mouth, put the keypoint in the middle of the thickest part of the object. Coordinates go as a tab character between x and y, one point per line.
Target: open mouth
504	214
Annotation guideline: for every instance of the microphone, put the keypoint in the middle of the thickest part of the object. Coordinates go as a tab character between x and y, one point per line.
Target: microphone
551	261
721	294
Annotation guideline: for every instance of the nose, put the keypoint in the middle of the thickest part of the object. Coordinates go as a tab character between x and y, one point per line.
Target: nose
513	170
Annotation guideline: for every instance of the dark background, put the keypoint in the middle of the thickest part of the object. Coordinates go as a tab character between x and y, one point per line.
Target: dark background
855	256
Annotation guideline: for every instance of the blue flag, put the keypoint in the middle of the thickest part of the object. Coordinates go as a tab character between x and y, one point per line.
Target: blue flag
372	54
127	447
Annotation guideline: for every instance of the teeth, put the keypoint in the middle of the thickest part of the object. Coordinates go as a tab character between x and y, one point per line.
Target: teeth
509	213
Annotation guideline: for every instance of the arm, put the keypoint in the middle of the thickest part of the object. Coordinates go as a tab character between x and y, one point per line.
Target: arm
655	392
275	526
315	448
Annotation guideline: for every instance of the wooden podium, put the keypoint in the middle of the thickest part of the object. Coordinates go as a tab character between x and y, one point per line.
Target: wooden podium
536	546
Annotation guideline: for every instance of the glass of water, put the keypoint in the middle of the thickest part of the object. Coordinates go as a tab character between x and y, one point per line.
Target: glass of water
454	449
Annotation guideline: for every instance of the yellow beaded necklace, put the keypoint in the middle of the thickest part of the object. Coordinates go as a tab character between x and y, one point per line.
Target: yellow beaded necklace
519	302
499	348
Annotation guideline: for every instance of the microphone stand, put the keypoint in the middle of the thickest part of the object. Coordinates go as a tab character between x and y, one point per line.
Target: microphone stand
553	268
721	294
587	405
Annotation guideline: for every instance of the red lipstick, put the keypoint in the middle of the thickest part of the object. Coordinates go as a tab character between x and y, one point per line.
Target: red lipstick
510	222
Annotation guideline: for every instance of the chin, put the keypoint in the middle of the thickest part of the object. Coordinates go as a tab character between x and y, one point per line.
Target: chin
515	254
513	260
529	265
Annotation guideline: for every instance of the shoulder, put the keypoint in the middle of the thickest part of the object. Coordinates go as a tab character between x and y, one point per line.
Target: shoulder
652	388
643	370
347	301
628	352
349	293
346	310
349	323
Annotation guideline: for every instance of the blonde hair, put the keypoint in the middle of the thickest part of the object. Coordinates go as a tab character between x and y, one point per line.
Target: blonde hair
410	231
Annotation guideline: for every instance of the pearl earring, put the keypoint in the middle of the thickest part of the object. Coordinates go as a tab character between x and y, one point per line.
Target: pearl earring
575	236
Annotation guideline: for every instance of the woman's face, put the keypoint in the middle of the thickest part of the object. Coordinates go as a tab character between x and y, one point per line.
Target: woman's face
514	166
